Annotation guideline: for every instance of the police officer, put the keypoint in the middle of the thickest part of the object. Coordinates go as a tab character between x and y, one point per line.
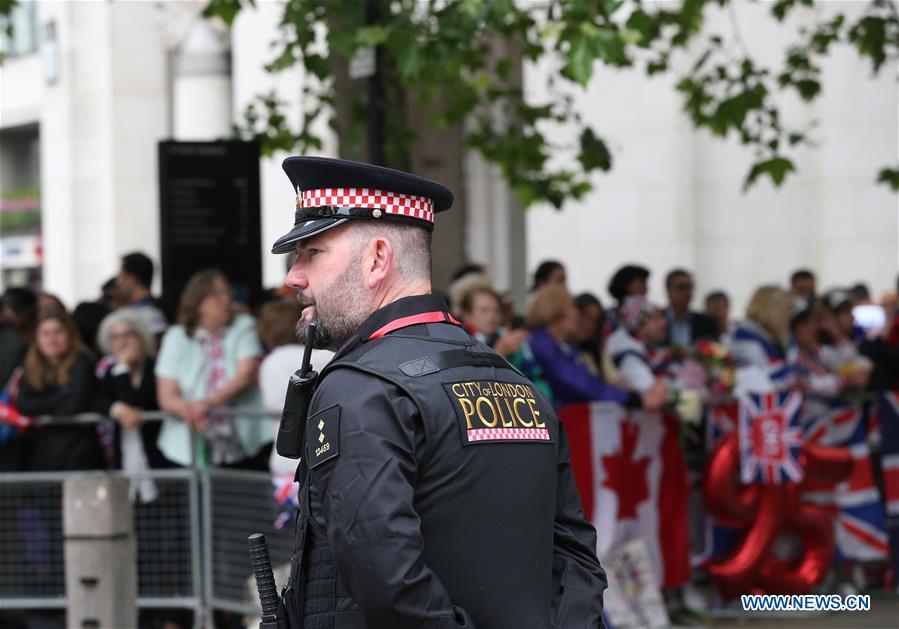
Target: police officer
436	490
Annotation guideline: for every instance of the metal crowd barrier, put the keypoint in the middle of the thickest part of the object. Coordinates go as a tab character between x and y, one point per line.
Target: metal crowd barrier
191	540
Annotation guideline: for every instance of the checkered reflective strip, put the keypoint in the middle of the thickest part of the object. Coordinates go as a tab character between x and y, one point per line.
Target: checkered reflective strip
508	434
368	198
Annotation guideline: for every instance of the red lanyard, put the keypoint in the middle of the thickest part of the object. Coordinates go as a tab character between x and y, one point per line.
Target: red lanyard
426	317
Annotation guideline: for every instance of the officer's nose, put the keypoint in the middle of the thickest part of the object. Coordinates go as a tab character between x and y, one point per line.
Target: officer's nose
296	277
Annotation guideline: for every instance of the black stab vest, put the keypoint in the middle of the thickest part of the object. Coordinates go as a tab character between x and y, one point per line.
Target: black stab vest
486	488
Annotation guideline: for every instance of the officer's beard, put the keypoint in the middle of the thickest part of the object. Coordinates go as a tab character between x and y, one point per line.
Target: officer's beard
340	310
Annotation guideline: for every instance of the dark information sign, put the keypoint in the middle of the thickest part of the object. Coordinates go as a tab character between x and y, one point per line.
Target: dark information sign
210	214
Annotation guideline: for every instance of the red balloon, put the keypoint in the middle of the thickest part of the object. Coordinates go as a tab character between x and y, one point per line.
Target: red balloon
767	511
737	573
814	525
732	503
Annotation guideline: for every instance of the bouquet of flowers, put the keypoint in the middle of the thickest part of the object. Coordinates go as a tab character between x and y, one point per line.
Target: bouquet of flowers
704	374
719	366
686	404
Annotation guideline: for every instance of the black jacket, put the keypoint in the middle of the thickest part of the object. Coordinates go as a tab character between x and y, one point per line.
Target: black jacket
60	448
701	327
439	486
12	352
118	388
13	451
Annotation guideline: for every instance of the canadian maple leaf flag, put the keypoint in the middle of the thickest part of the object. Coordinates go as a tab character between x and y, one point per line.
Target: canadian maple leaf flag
632	480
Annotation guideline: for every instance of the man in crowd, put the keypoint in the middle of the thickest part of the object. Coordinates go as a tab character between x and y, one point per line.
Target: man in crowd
802	285
641	330
860	295
548	272
18	311
717	306
133	284
685	326
426	504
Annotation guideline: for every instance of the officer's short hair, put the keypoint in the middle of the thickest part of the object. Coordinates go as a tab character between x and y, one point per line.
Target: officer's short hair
140	266
411	244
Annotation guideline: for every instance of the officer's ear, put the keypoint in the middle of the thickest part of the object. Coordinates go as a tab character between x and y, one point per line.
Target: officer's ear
379	261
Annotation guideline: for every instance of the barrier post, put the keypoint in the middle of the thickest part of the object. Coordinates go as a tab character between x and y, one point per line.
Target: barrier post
100	552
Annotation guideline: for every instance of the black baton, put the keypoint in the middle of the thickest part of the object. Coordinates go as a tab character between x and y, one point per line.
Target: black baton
265	580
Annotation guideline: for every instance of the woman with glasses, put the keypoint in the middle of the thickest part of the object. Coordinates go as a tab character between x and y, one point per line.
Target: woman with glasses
128	388
208	361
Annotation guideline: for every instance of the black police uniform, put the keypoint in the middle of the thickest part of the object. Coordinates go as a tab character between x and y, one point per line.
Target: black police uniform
436	490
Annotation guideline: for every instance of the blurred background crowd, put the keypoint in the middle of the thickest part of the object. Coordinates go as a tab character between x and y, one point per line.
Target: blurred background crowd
214	365
126	352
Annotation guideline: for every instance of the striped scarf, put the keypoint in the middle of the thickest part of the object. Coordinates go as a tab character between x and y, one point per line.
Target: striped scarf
223	444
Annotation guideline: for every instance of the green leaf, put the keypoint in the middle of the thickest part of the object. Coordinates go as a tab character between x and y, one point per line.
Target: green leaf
782	7
342	42
640	22
594	152
6	7
526	194
869	36
808	89
890	177
225	10
372	35
776	168
317	65
580	60
410	64
611	6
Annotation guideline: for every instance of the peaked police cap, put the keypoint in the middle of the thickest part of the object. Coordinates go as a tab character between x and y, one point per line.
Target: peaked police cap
331	192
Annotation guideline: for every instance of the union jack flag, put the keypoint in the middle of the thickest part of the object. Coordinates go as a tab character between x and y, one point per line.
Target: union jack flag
770	437
286	495
859	525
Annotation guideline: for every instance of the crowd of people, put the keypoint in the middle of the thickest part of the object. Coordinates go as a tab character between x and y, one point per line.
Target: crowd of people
215	365
215	369
118	356
581	350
